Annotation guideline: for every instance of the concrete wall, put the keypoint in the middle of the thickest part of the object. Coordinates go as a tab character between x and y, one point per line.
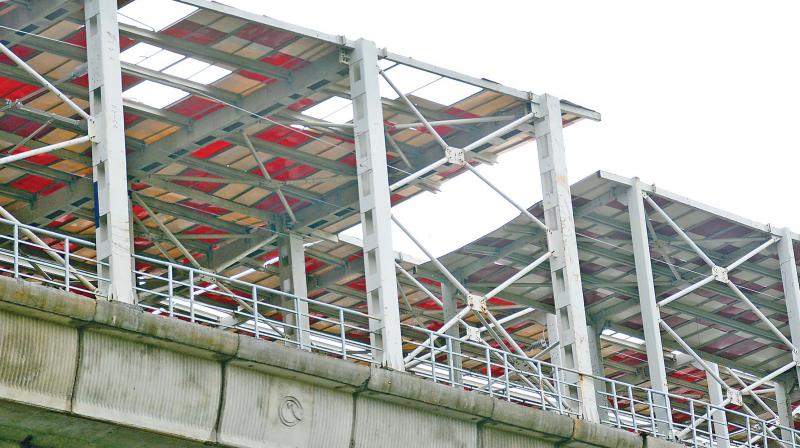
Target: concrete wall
80	372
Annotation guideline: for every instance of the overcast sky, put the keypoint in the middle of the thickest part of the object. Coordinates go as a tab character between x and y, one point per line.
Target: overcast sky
700	98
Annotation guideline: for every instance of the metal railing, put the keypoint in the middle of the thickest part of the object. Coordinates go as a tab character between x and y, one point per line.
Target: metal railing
471	365
49	258
196	295
67	262
498	373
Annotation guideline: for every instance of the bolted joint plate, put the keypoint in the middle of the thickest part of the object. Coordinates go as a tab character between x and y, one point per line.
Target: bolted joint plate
720	274
735	396
454	155
473	334
91	130
477	303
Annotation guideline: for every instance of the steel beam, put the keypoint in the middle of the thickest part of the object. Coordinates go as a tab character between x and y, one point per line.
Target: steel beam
108	152
293	280
31	17
649	307
791	290
219	124
561	241
375	206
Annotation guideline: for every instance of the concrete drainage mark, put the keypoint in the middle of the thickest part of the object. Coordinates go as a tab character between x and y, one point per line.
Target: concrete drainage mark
290	411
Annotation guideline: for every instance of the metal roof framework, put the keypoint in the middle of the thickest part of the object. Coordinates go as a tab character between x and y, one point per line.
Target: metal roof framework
237	178
737	317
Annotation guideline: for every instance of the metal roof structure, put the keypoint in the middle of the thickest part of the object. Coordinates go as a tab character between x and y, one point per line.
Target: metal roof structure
712	320
223	152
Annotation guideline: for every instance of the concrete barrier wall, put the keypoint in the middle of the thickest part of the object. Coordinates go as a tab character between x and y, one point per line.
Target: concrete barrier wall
80	372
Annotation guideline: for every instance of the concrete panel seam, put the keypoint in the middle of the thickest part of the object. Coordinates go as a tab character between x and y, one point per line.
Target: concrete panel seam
221	402
76	372
479	428
361	388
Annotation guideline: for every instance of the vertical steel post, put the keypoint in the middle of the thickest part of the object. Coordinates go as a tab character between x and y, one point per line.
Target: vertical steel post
109	167
650	311
292	271
717	398
375	206
450	309
785	417
791	290
561	240
601	387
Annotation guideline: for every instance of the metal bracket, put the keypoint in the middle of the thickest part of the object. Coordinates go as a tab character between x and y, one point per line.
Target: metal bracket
473	334
735	396
454	155
91	130
720	274
477	303
344	56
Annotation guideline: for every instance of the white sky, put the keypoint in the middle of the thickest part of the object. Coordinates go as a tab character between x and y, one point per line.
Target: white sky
698	97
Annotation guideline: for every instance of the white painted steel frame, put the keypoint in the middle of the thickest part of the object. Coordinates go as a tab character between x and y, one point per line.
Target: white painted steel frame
375	205
647	302
791	290
719	274
561	241
293	280
112	208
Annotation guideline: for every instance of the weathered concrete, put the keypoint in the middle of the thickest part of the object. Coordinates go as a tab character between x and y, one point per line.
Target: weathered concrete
80	372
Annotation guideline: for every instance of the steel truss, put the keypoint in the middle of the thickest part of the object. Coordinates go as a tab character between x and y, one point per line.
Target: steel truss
562	254
651	313
473	347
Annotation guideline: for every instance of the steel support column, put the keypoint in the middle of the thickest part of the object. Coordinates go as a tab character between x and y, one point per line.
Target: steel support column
717	398
791	290
561	241
596	351
375	206
450	309
650	311
784	404
109	164
292	271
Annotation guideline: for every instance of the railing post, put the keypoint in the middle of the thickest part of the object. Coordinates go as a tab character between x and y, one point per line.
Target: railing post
66	263
375	206
191	295
254	296
561	240
450	309
16	250
293	281
170	290
108	152
650	311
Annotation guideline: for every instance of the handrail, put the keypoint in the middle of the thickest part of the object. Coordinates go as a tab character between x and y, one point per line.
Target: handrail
182	291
